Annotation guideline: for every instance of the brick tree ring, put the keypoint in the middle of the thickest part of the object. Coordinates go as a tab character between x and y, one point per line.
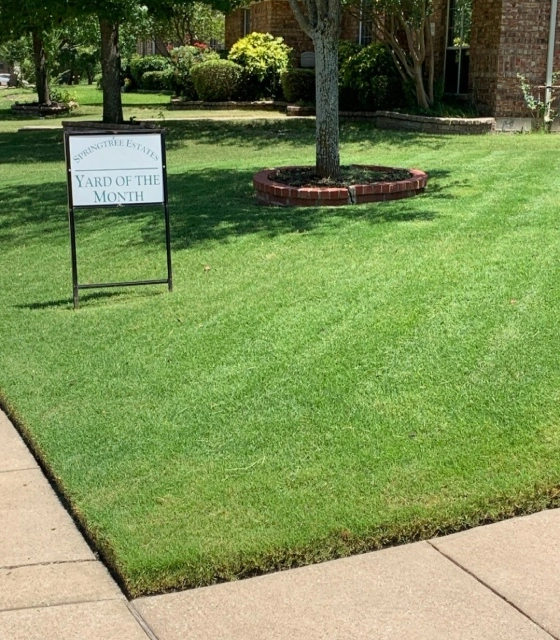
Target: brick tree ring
271	192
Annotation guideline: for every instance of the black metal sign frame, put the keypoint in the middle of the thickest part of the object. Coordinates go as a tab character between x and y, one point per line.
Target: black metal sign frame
76	286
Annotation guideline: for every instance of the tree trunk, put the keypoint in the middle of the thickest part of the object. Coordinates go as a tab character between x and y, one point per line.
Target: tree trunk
326	84
411	56
111	71
40	59
421	96
431	61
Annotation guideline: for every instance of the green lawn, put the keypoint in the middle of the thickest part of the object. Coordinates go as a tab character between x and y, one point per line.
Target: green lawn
339	379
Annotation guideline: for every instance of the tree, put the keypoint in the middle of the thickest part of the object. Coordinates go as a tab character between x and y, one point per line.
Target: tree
15	52
110	15
405	26
36	17
320	20
190	23
78	50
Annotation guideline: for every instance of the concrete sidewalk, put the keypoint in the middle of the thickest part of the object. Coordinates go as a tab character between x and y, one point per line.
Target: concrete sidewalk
496	582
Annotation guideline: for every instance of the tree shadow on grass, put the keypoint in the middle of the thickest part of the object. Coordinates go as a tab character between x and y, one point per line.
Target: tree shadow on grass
205	205
24	147
31	147
262	133
215	207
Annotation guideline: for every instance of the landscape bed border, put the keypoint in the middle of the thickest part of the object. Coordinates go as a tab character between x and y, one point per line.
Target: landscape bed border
392	120
269	191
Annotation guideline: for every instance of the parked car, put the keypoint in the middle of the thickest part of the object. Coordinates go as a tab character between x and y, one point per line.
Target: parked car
5	79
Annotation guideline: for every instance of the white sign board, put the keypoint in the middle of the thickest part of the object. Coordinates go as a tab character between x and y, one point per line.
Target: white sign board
116	169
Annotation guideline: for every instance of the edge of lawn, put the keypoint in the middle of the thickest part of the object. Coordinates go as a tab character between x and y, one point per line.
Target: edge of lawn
337	544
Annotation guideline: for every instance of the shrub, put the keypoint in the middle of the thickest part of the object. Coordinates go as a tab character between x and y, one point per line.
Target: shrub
263	58
216	80
139	65
347	49
182	61
371	77
156	80
299	85
348	96
63	96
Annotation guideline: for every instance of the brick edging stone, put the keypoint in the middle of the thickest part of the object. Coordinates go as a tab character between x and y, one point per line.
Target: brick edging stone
394	120
271	192
430	124
382	119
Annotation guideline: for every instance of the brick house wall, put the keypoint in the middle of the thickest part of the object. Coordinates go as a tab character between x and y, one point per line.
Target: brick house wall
507	37
523	49
276	17
234	27
438	24
484	54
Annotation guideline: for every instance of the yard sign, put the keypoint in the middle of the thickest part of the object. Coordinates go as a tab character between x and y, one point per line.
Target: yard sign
115	169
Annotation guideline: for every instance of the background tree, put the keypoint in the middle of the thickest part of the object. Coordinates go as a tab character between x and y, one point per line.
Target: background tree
35	17
320	20
191	22
405	26
78	50
110	15
15	52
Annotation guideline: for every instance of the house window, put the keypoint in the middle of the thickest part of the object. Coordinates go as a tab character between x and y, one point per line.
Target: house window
365	27
459	20
246	22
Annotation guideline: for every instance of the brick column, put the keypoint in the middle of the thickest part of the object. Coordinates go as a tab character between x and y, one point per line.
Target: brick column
508	37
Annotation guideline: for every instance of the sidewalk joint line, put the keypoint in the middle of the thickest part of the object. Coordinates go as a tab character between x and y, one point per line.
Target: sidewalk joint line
492	589
61	604
24	469
48	563
140	620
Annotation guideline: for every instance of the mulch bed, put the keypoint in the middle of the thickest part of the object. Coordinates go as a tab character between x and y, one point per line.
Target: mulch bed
349	175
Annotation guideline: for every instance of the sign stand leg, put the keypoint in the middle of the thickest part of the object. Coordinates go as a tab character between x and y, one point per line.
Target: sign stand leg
168	247
73	251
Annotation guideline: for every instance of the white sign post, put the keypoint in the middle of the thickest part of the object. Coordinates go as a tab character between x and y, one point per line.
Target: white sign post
115	169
